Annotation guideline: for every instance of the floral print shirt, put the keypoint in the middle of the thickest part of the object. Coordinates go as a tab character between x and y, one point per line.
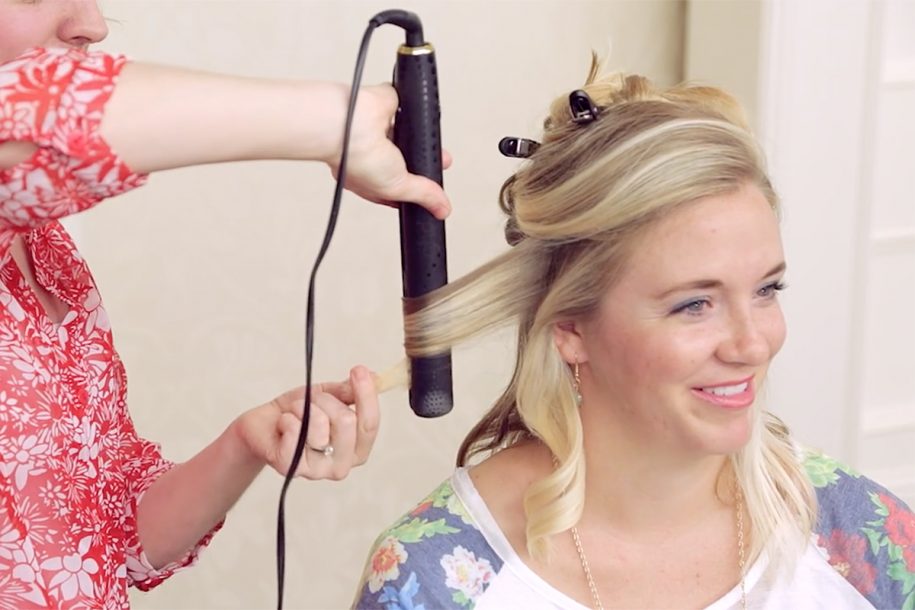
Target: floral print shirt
72	468
449	552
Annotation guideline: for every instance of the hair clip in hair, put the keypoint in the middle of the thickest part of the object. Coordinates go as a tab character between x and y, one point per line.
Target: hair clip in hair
583	109
521	148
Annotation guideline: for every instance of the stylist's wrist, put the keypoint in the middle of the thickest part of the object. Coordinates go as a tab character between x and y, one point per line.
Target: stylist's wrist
241	442
327	137
369	144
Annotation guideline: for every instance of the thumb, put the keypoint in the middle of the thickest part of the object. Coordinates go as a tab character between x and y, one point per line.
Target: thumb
425	192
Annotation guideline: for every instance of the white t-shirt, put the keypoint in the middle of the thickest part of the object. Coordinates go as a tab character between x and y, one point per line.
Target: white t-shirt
449	553
816	584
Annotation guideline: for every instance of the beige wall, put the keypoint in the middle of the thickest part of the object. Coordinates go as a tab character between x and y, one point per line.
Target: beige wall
721	48
204	271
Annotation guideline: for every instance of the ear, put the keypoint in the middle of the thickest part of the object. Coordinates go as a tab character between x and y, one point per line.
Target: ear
569	340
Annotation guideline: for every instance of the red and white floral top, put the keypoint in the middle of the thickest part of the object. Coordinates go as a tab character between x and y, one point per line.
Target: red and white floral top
72	468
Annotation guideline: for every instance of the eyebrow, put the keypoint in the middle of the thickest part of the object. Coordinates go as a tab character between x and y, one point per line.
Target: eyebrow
708	284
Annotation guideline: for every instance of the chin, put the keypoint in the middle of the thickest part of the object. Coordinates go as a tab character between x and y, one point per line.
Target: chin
727	439
737	440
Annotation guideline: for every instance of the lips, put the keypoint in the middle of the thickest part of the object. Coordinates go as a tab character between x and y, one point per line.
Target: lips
729	395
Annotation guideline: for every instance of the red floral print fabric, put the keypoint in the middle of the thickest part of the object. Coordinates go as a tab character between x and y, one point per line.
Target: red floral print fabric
72	467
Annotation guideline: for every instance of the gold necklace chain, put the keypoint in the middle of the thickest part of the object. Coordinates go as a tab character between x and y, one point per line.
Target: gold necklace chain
741	552
741	556
587	568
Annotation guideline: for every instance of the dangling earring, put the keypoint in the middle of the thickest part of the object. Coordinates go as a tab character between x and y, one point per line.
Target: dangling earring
577	376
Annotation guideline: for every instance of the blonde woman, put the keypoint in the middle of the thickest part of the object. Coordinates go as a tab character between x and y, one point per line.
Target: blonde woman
629	463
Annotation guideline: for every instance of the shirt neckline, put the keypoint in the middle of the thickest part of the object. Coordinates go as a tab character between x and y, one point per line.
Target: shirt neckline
467	492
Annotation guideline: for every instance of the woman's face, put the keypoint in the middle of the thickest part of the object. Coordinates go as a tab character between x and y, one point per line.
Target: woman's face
682	342
48	23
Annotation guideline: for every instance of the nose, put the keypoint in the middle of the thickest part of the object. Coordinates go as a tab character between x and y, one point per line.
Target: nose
746	341
83	24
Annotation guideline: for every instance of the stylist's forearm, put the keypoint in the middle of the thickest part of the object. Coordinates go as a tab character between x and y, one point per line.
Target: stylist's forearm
189	500
161	117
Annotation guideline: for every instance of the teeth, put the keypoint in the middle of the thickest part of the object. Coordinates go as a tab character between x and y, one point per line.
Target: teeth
727	390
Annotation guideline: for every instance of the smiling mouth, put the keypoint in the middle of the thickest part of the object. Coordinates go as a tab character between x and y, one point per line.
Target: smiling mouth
727	390
730	396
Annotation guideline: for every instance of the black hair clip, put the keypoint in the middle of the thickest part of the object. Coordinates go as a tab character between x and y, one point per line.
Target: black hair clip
521	148
583	109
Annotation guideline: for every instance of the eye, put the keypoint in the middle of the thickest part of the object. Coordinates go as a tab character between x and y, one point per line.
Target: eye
771	290
694	307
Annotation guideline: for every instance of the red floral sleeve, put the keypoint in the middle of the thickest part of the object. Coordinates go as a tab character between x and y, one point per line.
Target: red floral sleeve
143	465
55	99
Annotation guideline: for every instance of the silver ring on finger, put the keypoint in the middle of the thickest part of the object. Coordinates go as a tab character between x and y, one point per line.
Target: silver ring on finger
327	450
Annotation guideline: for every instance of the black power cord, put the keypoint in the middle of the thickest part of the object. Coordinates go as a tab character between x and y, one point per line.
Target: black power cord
417	135
310	316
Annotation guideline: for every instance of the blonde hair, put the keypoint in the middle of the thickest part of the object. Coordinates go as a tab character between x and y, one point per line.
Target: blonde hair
575	209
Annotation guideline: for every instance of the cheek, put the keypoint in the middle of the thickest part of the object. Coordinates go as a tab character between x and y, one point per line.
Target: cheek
616	359
680	355
17	35
669	357
775	330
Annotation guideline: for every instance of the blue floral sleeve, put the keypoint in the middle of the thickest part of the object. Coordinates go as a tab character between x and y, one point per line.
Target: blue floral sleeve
432	558
867	533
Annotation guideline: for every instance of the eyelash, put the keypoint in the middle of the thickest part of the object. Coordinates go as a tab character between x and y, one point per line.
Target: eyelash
688	307
774	288
769	291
